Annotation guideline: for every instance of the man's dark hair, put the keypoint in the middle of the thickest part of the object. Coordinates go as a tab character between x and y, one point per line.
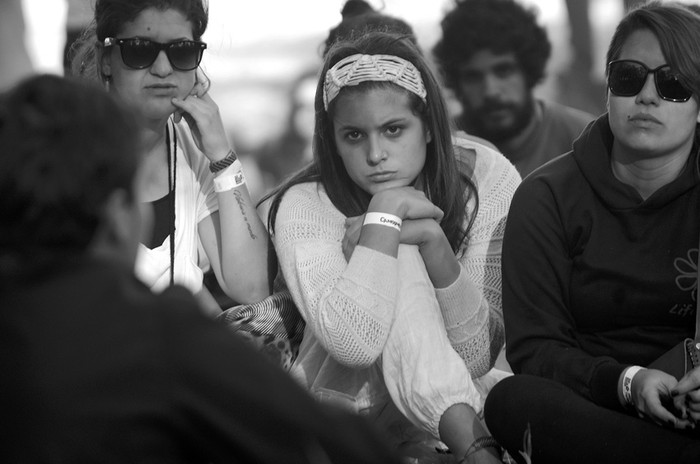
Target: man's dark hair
65	146
501	26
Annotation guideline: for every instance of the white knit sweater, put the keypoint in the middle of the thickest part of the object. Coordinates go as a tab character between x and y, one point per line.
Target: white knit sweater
349	306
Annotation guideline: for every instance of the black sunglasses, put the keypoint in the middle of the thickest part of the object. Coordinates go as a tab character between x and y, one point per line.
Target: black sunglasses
184	55
626	78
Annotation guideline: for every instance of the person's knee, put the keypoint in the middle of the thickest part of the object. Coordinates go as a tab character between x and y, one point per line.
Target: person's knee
509	408
498	408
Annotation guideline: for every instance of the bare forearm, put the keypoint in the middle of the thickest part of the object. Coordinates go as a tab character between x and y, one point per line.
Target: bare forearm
244	247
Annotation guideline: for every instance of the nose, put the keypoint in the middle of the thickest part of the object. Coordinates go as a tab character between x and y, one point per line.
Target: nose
376	152
648	94
492	85
161	66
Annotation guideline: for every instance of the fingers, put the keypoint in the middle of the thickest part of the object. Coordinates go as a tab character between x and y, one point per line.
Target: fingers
202	116
691	405
419	207
690	381
658	412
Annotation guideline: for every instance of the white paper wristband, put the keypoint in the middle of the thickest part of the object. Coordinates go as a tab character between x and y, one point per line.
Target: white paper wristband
383	219
627	378
229	178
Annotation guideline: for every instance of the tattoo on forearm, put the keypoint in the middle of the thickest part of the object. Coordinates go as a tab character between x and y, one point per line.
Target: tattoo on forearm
241	205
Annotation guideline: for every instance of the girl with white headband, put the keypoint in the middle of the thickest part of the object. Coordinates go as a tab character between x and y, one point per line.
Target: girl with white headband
390	245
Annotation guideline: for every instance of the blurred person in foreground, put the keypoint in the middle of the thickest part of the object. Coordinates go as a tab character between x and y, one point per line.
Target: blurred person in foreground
96	367
600	266
14	56
492	54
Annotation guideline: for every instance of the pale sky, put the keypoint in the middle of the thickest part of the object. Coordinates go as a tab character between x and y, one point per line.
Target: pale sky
234	23
255	47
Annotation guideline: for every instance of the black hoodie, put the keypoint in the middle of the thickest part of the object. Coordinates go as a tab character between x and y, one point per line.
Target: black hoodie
595	278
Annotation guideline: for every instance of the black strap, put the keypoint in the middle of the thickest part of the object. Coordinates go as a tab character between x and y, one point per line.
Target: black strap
697	302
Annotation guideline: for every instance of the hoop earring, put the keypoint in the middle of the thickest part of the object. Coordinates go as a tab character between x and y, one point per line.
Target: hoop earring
107	81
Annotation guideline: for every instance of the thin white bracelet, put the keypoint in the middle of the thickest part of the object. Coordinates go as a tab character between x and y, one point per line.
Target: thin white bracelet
627	377
383	219
229	178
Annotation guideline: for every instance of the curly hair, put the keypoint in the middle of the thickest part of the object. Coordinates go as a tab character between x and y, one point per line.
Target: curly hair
112	15
501	26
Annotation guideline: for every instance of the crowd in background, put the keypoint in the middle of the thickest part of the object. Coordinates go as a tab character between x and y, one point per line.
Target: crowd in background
256	80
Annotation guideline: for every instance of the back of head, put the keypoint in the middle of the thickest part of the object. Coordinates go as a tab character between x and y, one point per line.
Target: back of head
66	147
359	17
110	18
676	27
500	26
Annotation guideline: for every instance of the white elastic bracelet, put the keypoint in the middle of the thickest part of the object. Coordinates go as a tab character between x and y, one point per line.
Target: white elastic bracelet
383	219
627	377
229	178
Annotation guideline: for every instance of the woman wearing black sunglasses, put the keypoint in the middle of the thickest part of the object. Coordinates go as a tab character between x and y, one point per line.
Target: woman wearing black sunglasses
600	264
148	52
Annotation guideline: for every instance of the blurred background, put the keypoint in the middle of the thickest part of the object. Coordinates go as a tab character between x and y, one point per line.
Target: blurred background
263	55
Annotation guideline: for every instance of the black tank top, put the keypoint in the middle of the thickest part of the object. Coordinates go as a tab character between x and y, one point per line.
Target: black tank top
162	222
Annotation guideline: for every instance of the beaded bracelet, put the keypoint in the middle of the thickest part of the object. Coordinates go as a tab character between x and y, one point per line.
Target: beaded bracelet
217	166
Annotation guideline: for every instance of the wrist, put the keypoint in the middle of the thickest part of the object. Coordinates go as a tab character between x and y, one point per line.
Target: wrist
223	163
229	177
481	445
384	204
625	385
382	219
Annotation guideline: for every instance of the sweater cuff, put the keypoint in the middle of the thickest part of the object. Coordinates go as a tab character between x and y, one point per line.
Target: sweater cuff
453	300
604	385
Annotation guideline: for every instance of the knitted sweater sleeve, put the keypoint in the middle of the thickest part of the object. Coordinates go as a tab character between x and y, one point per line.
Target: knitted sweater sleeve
471	306
347	306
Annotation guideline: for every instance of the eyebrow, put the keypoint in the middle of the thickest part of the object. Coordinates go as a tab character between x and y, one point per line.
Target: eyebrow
389	122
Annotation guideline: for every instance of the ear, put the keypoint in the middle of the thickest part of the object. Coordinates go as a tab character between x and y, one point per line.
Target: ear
105	62
428	136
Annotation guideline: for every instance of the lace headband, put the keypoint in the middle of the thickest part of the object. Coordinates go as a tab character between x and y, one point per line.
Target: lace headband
361	68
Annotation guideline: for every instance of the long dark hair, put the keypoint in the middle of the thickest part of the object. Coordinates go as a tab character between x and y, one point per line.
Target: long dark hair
444	181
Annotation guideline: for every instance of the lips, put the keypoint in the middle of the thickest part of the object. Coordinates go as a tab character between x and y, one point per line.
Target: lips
644	118
382	176
164	89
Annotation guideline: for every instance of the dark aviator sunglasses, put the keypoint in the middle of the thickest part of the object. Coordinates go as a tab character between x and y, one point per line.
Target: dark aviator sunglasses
626	78
184	55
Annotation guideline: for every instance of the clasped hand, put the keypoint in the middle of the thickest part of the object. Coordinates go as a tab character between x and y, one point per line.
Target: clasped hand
419	215
666	401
